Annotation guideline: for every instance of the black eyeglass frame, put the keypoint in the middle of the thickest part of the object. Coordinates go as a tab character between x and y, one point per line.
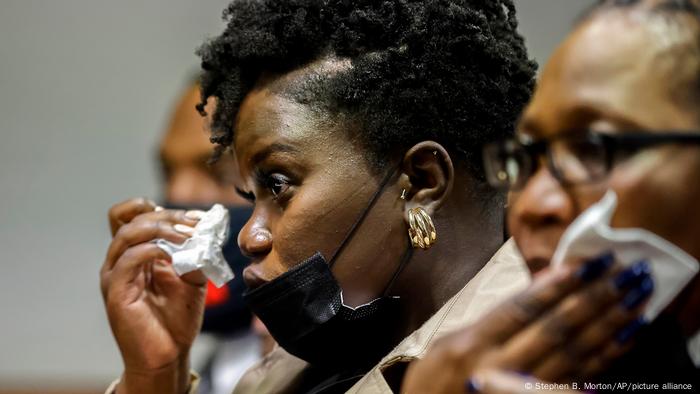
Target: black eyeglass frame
612	144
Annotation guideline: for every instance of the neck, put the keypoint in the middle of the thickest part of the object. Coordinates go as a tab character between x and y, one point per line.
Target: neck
467	239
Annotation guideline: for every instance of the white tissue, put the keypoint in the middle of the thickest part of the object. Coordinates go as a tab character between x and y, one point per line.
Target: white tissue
202	251
591	235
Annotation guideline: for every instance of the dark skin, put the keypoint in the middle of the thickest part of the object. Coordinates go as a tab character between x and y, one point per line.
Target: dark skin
316	183
559	329
184	152
643	86
189	178
154	314
637	81
322	181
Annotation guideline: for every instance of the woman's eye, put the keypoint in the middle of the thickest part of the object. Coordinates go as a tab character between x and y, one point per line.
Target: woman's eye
277	185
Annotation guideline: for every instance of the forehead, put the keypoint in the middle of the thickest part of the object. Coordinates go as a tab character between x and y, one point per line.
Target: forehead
626	63
269	118
187	137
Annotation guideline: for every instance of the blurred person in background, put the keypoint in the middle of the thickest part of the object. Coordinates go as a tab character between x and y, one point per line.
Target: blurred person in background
228	341
616	108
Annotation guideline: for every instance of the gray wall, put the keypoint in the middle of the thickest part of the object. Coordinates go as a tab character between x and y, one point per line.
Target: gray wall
85	86
544	23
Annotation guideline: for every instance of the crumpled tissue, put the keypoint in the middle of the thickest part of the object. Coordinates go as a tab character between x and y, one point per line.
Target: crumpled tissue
203	251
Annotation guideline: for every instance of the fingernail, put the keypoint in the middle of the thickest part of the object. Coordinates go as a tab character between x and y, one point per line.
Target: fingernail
194	215
472	386
640	293
181	228
159	208
630	330
593	269
632	275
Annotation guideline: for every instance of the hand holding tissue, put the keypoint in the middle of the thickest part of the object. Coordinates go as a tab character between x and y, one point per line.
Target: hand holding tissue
591	235
203	251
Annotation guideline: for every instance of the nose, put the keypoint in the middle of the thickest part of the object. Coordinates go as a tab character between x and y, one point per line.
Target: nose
254	239
542	202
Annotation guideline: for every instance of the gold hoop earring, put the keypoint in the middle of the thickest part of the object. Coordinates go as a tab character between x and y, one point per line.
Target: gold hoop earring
421	228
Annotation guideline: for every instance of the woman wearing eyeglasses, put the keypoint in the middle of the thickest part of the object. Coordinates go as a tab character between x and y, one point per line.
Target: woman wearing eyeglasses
616	108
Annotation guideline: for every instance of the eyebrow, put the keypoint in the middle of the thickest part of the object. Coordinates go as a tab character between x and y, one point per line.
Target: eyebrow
271	149
261	156
585	112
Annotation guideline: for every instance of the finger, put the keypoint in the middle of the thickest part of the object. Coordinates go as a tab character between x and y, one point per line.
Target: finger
599	360
164	275
520	310
616	326
195	278
188	218
125	211
570	356
546	290
164	271
146	228
554	329
134	234
462	347
131	264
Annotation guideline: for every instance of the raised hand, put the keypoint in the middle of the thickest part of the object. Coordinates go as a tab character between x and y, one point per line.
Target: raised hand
568	325
154	314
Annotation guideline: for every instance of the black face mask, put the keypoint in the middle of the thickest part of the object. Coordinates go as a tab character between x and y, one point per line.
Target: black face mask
230	315
304	311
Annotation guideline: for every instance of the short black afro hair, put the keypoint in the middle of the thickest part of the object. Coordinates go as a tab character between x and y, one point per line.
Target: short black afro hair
453	71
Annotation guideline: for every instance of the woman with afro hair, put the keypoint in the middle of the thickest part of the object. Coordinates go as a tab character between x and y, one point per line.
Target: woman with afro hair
356	127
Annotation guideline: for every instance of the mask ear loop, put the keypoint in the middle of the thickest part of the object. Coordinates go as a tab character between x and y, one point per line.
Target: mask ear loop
362	217
404	261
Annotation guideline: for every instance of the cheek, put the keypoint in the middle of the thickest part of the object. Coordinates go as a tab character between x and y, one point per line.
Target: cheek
512	223
538	226
301	231
315	220
658	191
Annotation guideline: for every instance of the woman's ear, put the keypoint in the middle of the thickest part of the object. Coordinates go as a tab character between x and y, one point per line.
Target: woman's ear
428	174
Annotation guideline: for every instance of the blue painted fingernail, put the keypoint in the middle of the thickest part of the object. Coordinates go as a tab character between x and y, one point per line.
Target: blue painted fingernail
593	269
472	386
630	330
632	275
639	293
